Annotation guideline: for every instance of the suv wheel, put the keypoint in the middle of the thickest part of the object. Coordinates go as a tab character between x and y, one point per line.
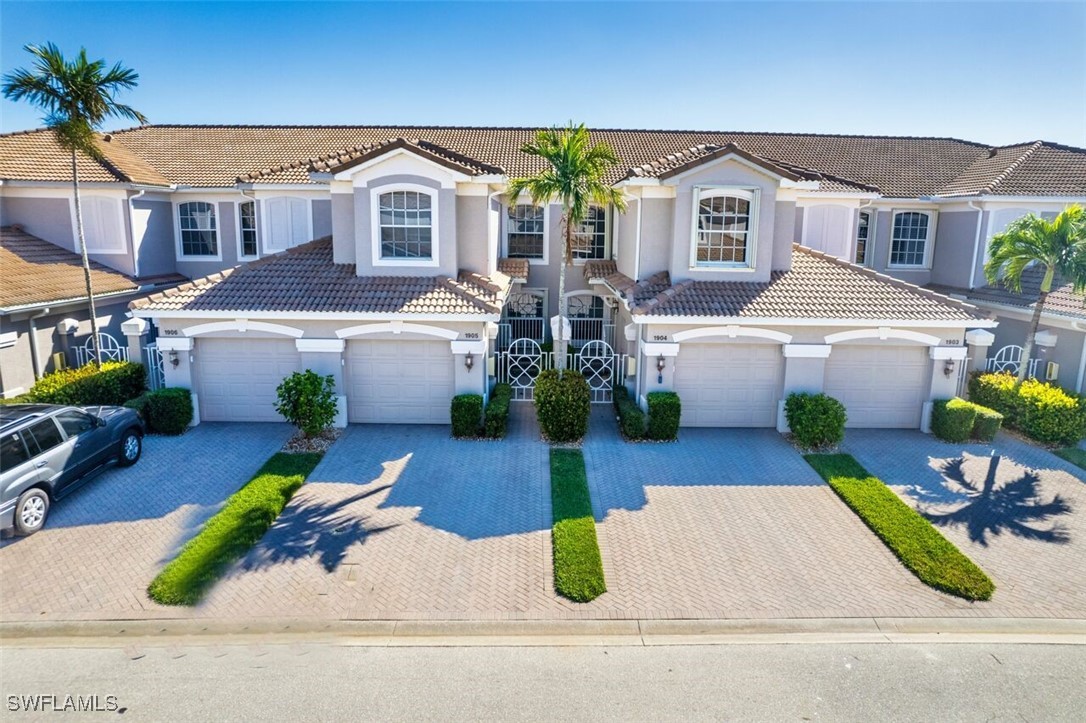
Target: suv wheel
131	448
31	510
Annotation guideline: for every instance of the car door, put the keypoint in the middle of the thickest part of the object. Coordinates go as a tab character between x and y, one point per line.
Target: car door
17	470
52	453
92	446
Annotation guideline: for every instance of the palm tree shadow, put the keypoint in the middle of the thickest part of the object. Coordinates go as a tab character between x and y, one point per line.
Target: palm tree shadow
321	529
990	510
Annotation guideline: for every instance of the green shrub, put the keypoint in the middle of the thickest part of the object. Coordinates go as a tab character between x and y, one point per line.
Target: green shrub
578	565
466	413
141	404
308	401
987	425
112	384
562	405
816	420
1049	414
631	420
496	420
169	410
665	409
952	420
998	392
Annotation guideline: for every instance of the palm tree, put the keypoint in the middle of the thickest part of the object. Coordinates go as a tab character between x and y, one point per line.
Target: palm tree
575	179
1057	246
76	97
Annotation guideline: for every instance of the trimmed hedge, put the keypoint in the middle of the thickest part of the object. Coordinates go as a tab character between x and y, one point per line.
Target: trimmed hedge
467	415
987	425
1039	410
952	420
665	410
496	421
111	384
816	420
562	405
164	411
631	420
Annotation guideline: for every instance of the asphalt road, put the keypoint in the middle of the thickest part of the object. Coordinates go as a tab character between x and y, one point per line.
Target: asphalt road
873	682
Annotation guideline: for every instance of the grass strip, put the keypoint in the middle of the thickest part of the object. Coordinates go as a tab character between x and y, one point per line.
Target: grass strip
915	541
1074	455
229	534
578	567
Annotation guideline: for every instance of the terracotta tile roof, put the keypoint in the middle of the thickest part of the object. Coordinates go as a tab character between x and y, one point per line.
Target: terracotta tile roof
36	156
818	286
635	292
1062	300
599	269
305	279
514	268
35	271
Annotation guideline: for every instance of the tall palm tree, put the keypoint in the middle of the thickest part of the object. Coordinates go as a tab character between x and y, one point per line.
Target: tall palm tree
574	179
75	97
1057	246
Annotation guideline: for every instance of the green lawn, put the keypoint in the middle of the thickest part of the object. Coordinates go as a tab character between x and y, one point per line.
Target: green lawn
919	546
578	567
1074	455
234	529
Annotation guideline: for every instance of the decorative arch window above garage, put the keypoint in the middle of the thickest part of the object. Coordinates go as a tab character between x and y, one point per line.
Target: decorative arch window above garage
724	227
406	225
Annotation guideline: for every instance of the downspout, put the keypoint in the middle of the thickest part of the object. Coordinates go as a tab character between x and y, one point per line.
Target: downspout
976	244
35	360
132	228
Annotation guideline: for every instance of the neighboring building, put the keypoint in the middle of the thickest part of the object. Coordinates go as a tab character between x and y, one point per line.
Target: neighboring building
44	320
746	266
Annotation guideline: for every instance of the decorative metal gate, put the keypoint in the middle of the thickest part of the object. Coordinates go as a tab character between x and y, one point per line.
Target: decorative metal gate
519	366
596	360
156	371
523	317
1009	359
109	350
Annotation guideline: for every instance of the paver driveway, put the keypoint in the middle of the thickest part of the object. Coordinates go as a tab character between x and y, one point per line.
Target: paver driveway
104	543
1018	511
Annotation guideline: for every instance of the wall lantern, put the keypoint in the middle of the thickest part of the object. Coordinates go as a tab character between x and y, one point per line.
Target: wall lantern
948	368
469	361
661	364
174	360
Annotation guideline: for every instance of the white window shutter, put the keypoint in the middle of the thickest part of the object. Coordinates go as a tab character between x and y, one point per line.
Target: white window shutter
299	221
278	224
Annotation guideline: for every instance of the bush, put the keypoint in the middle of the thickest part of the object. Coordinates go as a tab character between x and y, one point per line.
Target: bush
952	420
987	425
497	411
665	410
631	420
562	405
141	404
466	413
1040	410
111	384
816	420
169	411
998	392
308	401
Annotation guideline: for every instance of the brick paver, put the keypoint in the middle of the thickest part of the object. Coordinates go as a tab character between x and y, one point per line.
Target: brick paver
104	543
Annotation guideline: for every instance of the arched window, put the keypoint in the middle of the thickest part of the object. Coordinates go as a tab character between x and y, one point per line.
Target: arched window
199	229
405	225
724	227
910	238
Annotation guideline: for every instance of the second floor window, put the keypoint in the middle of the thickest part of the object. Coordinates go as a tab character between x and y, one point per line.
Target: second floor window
863	236
406	225
590	241
723	235
909	239
247	216
199	229
524	235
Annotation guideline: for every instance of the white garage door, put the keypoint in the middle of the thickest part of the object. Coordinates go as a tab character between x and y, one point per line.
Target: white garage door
729	385
236	378
880	386
399	382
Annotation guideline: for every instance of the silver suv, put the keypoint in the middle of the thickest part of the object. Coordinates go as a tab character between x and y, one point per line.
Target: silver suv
48	451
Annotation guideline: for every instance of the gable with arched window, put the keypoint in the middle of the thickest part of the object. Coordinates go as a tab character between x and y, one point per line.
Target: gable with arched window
725	219
404	225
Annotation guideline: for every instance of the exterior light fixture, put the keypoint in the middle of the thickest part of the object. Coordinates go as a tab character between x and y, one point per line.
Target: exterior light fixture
174	359
469	361
661	363
948	368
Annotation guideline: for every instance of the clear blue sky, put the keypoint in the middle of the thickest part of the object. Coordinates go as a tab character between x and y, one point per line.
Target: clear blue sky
991	72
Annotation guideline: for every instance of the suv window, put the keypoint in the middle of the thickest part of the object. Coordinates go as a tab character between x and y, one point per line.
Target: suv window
12	451
46	434
74	423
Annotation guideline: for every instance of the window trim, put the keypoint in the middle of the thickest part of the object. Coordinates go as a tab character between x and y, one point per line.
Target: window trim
929	241
237	220
526	201
375	225
752	194
83	206
872	225
180	246
607	216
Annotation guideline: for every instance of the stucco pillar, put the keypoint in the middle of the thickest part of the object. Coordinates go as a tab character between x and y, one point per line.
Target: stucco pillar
66	330
178	356
979	340
804	371
1044	342
654	355
946	364
325	357
135	330
469	366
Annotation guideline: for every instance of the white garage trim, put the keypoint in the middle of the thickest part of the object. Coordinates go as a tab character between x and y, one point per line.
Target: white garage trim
948	352
174	343
397	327
467	347
241	325
732	331
320	345
883	333
806	351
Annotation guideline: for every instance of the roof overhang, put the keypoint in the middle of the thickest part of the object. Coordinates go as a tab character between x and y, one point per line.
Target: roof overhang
771	321
308	315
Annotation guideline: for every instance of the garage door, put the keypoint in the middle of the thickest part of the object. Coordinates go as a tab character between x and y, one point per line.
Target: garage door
880	386
236	378
729	385
399	382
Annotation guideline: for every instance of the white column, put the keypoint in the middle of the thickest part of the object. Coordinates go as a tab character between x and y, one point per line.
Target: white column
177	363
979	340
134	330
655	354
325	357
804	371
946	361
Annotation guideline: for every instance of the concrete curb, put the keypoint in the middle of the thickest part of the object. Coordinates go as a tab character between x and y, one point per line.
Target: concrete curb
391	633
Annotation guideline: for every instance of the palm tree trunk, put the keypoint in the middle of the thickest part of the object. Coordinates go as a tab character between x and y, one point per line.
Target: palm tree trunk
1027	347
559	350
97	358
